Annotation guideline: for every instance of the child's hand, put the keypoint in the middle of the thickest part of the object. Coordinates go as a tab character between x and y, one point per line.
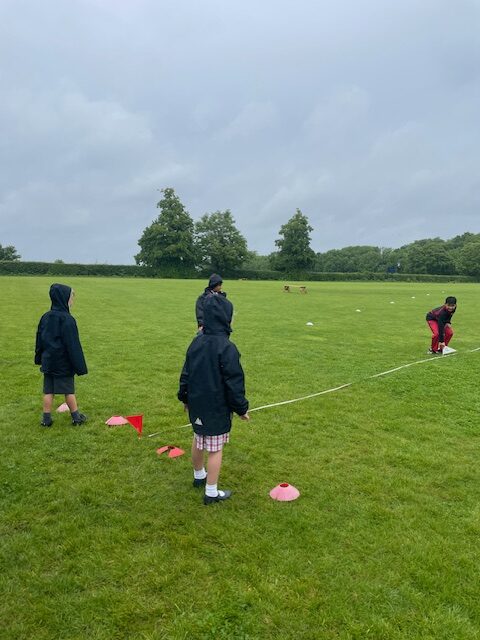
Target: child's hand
185	407
441	345
245	417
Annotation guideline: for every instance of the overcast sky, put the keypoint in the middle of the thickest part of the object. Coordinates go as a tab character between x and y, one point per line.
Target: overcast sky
362	113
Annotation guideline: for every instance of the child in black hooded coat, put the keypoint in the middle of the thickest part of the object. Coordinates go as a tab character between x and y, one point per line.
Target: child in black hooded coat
212	386
59	352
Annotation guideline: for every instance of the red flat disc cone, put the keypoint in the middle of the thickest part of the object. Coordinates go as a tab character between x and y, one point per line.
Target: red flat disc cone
63	407
162	450
173	452
284	492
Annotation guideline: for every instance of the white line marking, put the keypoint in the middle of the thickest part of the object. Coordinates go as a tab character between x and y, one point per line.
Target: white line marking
410	364
342	386
312	395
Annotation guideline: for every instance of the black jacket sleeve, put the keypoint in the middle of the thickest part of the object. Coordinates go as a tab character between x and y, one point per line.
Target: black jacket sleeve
182	394
234	379
199	310
74	348
444	317
38	345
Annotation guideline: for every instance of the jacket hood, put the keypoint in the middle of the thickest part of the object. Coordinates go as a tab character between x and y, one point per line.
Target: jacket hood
60	295
214	280
218	312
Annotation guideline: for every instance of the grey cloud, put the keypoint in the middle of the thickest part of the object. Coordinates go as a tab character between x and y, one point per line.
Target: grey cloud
363	115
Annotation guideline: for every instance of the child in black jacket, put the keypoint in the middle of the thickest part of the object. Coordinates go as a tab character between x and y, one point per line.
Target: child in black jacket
212	386
214	287
59	352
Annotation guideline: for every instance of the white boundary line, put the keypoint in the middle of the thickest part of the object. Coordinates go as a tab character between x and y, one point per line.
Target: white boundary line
312	395
410	364
342	386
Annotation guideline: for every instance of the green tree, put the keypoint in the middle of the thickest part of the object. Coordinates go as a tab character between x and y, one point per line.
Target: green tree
168	241
294	252
219	244
428	256
9	253
256	262
458	242
350	259
469	259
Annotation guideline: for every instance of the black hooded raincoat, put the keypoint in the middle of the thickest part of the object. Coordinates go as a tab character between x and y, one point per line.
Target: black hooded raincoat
212	381
58	349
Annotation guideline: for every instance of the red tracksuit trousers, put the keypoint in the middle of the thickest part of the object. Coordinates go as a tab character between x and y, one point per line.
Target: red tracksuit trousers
433	324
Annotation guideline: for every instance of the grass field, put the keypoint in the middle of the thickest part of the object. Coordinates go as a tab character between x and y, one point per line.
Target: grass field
100	538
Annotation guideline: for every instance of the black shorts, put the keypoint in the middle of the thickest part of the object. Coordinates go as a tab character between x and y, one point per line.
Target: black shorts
58	384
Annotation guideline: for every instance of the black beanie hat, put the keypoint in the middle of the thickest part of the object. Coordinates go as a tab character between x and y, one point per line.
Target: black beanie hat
215	279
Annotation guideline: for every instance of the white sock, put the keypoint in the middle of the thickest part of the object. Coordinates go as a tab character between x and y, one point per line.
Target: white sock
211	490
200	474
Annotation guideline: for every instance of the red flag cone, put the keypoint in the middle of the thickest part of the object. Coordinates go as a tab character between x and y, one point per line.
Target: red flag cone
136	422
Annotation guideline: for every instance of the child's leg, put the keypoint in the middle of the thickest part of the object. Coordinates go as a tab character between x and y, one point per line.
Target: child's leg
71	401
433	324
213	466
48	402
77	417
197	456
448	335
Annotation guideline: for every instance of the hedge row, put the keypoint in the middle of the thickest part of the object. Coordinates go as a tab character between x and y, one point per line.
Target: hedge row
64	269
134	271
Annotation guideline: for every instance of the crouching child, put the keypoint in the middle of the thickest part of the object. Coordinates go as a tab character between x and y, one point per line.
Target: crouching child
439	320
59	352
212	386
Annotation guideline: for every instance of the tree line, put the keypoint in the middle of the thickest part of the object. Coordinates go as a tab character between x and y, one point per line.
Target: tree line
214	243
174	243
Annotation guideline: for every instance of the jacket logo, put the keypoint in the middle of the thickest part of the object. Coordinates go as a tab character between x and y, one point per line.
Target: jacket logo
199	422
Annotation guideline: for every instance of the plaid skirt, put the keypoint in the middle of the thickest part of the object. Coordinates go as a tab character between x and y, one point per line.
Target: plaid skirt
211	443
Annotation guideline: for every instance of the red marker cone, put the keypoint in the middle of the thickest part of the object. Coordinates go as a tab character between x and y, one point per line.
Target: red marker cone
136	422
63	407
284	492
173	452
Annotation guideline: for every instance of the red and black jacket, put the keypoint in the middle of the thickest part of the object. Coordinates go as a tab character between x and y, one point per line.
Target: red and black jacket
442	316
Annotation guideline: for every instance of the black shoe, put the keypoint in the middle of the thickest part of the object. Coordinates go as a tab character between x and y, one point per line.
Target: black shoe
199	482
430	352
217	498
80	420
46	423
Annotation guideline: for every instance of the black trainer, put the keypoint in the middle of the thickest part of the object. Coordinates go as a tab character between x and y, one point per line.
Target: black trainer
80	420
430	352
218	498
46	423
199	482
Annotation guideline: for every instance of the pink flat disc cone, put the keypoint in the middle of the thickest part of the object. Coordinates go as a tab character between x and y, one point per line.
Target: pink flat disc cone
116	420
284	492
63	407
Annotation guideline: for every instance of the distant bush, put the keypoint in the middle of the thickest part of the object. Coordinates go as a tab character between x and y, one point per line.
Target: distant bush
60	269
345	277
135	271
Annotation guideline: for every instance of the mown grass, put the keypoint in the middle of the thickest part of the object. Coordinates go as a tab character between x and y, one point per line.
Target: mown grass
102	539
